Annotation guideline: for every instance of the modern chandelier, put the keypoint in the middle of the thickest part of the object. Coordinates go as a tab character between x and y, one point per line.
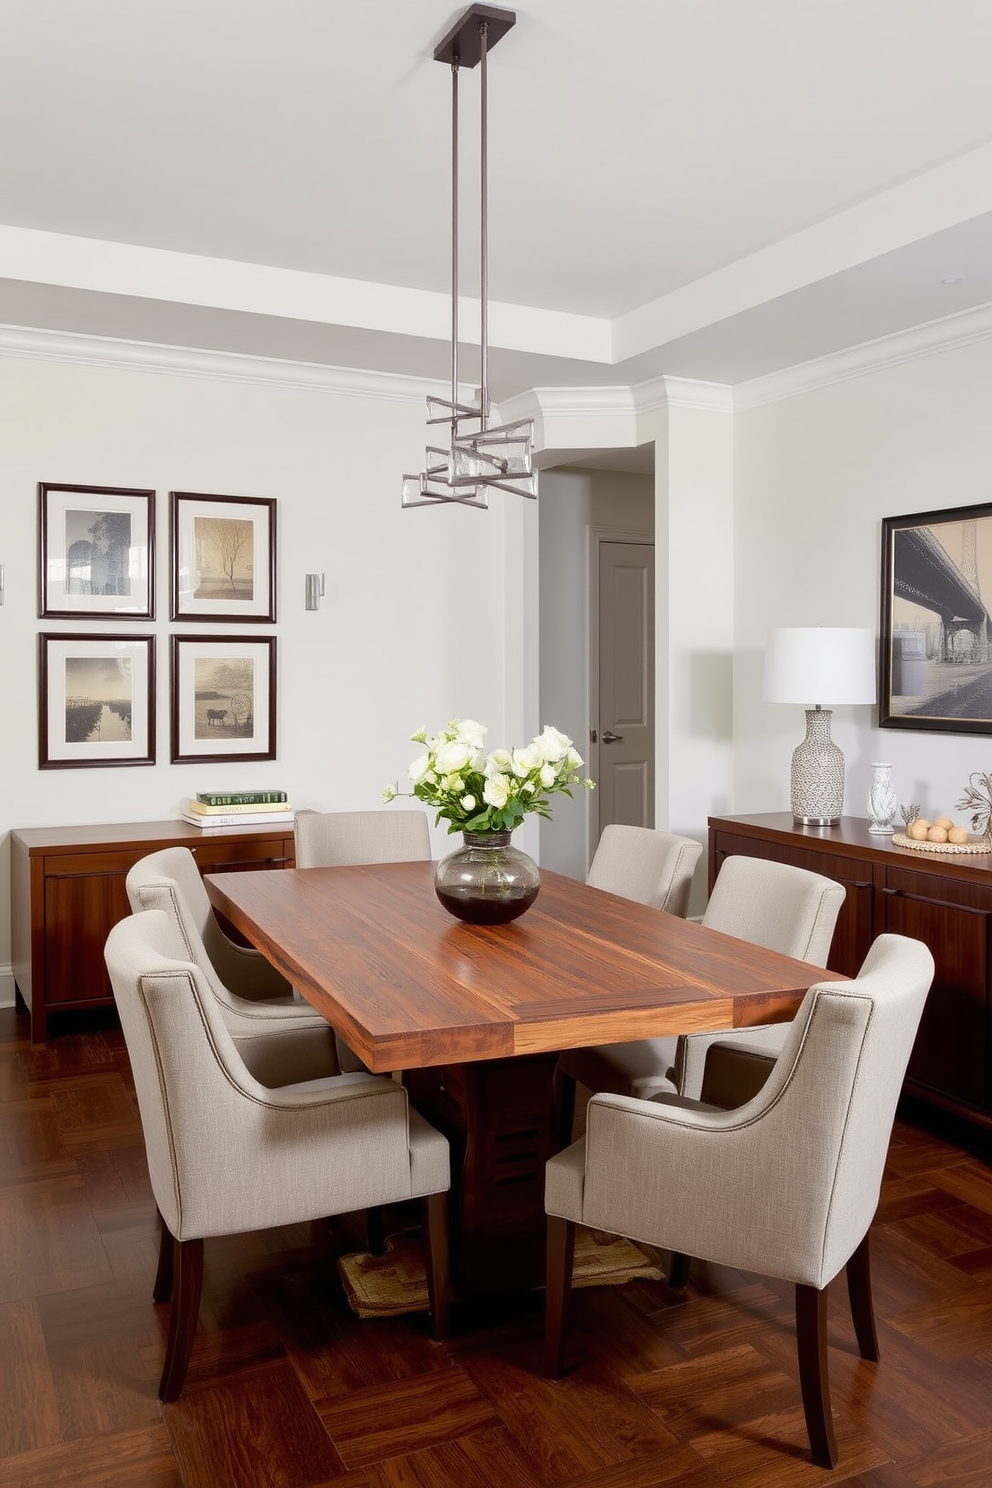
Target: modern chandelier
480	456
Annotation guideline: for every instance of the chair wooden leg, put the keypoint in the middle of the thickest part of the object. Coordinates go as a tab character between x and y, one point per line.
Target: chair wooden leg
162	1289
563	1107
862	1310
811	1342
436	1238
183	1316
561	1256
678	1271
375	1231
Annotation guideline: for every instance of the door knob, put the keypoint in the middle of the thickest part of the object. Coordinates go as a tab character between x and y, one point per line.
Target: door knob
611	738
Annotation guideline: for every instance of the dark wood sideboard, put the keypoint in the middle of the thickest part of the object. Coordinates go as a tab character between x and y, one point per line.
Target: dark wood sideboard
67	890
941	899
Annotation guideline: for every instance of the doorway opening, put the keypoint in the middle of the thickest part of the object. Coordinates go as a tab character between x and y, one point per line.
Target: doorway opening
597	624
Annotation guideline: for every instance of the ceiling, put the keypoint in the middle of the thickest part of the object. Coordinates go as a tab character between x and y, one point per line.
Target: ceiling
713	189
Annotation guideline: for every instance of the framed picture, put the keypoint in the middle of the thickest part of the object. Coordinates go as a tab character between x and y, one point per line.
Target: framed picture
223	698
223	557
96	547
96	701
936	632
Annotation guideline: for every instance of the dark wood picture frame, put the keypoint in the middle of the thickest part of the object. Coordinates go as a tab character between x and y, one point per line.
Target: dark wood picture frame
222	709
223	558
936	630
119	721
86	574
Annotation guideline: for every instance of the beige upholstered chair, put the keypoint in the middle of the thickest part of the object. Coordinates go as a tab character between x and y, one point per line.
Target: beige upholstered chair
786	1185
257	1003
650	867
228	1154
770	904
334	839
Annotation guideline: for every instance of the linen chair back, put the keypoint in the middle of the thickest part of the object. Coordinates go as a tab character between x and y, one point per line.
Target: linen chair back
256	999
225	1153
648	866
777	906
170	880
787	1184
335	839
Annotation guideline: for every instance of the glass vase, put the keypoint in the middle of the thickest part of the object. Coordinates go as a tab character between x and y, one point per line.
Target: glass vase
487	881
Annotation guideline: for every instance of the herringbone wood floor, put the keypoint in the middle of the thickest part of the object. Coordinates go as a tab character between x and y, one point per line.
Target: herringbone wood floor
288	1390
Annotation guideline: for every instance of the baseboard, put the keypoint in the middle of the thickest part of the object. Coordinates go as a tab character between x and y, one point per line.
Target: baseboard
6	987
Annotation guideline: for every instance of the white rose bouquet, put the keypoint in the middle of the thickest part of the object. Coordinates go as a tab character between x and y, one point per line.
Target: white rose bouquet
478	792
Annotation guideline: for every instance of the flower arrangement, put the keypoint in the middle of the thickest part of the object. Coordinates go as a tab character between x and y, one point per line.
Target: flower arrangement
478	792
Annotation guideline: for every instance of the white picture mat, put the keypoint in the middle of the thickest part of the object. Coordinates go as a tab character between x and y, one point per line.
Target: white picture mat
57	506
58	652
223	650
187	575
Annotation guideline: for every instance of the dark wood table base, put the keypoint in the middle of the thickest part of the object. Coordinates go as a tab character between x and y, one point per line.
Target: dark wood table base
497	1115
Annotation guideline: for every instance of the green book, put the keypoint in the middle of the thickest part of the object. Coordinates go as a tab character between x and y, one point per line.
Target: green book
241	798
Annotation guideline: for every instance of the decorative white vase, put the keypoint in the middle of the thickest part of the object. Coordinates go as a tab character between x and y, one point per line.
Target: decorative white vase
881	800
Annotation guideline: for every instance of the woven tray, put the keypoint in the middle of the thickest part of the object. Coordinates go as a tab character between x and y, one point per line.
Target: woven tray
979	845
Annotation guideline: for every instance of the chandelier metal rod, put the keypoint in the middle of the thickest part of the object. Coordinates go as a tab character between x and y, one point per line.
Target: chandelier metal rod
484	221
454	234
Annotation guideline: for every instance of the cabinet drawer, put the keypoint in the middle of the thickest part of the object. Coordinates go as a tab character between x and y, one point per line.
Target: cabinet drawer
225	856
937	888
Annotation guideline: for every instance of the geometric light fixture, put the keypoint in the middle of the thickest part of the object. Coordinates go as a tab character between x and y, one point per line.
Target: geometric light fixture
479	456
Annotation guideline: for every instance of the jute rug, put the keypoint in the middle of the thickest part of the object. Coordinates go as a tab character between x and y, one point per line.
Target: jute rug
394	1283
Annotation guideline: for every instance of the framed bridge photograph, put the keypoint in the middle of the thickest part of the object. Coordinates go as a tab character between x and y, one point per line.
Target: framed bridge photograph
936	631
223	694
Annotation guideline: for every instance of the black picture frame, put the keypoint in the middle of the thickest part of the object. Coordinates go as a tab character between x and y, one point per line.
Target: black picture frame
936	630
96	700
223	698
223	558
96	552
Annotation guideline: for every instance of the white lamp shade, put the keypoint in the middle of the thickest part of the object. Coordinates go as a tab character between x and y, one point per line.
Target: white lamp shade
820	664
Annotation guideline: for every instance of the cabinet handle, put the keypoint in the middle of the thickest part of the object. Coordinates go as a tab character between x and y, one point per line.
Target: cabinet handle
249	863
863	883
938	903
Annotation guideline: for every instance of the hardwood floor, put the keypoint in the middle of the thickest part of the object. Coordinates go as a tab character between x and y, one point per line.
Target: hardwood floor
287	1389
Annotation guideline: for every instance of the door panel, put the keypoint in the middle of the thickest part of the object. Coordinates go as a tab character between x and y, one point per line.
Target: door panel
625	725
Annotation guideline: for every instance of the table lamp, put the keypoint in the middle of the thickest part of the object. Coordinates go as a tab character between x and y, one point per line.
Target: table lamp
835	664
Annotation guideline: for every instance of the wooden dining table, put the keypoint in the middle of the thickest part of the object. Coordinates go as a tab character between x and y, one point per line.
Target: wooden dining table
474	1016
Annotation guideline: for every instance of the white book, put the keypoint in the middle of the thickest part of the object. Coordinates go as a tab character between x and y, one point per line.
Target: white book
244	823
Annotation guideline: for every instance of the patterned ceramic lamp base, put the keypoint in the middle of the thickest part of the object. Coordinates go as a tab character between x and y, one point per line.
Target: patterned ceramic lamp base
817	774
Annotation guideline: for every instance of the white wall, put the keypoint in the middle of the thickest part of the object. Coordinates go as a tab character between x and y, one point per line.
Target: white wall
419	623
814	476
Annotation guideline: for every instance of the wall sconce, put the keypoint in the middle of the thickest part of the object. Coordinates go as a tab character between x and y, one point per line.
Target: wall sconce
315	591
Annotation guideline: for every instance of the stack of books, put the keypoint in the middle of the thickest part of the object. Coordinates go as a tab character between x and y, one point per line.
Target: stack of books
228	811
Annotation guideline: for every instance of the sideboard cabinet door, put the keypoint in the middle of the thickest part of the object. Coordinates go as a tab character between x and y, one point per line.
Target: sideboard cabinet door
950	1056
68	891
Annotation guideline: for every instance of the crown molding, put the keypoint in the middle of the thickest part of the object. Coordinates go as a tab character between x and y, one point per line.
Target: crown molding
929	339
183	361
620	401
683	392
